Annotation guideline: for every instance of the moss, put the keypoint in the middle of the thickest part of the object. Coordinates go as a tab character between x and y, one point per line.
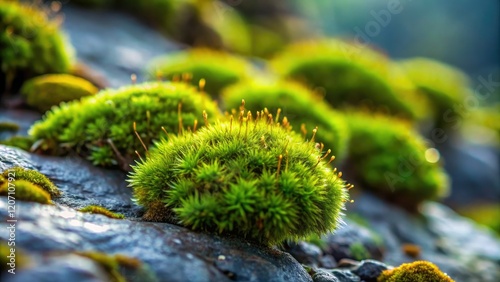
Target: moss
389	158
21	142
100	210
358	251
108	262
18	257
484	214
487	117
298	104
218	69
32	176
349	75
443	85
247	177
8	126
43	92
31	44
101	127
25	191
418	271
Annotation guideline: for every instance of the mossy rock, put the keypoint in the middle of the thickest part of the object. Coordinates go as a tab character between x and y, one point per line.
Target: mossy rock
444	86
418	271
101	127
31	45
301	106
24	191
349	75
218	69
247	177
116	265
101	210
390	159
32	176
44	92
21	142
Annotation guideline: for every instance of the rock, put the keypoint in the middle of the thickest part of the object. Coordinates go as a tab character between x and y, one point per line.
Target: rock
324	276
10	157
43	229
112	43
345	275
369	270
305	253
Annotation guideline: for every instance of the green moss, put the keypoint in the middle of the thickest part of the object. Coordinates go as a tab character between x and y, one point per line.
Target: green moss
418	271
31	44
111	264
32	176
444	86
298	104
18	257
389	158
485	214
247	177
25	191
94	125
218	69
100	210
43	92
358	251
21	142
350	75
8	126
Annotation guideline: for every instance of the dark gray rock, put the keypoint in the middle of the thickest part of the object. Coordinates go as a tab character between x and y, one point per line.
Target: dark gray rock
324	276
305	253
369	270
344	275
173	253
114	44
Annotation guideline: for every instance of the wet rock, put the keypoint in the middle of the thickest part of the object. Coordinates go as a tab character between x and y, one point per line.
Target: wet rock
10	157
113	44
324	276
369	270
44	229
305	253
345	275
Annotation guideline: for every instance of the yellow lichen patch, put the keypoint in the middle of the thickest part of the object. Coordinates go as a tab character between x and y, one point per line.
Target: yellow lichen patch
25	191
45	91
418	271
100	210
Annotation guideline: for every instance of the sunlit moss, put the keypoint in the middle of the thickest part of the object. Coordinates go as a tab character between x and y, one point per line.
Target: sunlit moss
21	142
100	210
101	127
302	107
349	75
217	69
247	177
31	44
388	157
418	271
24	190
32	176
43	92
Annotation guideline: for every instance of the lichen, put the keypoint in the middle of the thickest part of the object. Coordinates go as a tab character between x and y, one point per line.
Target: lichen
100	210
418	271
104	127
43	92
248	177
304	109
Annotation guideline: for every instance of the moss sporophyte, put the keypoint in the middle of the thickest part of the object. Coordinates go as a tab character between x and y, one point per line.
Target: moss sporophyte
249	176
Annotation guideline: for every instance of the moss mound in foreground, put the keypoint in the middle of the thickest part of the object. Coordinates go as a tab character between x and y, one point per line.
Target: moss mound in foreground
31	176
101	127
303	109
418	271
389	158
43	92
247	177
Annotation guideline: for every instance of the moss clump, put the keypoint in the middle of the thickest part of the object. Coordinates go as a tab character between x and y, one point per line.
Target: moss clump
101	127
418	271
297	103
8	126
45	91
100	210
248	177
358	251
485	214
389	158
25	191
218	69
21	142
442	85
31	176
112	263
17	257
349	75
31	44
